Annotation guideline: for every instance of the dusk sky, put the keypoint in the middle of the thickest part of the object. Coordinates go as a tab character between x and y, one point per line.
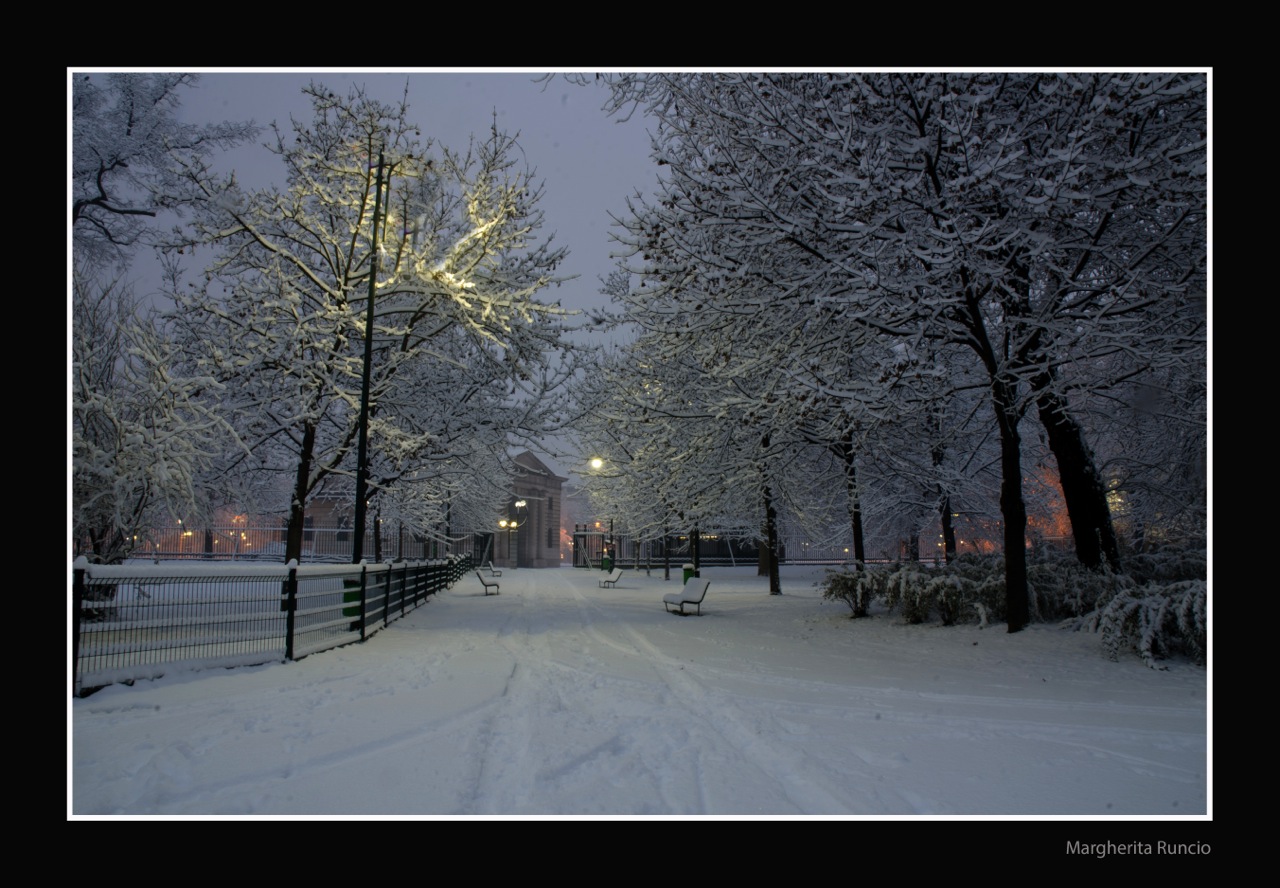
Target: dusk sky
588	161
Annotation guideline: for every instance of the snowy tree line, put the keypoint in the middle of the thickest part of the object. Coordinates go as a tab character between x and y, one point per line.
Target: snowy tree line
890	296
249	393
886	301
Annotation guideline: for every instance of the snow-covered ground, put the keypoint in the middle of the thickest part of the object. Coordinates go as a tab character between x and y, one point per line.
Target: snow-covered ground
560	698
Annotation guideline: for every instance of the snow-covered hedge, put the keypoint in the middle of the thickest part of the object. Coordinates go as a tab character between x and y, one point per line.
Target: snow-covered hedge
1157	611
856	588
1155	621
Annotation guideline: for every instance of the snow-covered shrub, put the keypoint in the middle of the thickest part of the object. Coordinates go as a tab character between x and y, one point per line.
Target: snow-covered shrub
1155	621
856	588
982	581
908	589
1168	564
951	593
1063	587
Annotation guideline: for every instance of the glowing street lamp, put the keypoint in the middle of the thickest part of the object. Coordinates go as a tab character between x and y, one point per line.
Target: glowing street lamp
511	525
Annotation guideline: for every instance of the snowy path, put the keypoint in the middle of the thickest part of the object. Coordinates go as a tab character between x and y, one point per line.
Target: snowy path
559	698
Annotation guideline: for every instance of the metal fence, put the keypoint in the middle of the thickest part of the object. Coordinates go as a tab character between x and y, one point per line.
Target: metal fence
254	539
590	546
139	621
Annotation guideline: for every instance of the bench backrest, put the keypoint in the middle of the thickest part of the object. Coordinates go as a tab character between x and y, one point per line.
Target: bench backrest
701	595
481	578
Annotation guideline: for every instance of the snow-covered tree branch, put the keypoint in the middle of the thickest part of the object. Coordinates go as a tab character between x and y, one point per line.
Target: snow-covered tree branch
464	354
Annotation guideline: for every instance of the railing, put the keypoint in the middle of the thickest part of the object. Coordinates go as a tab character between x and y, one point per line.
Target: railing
139	621
258	541
717	551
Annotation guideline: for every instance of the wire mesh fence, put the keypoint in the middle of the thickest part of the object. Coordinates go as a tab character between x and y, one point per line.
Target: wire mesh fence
254	539
138	621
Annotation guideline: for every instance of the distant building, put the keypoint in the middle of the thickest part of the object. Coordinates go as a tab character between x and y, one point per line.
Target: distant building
532	538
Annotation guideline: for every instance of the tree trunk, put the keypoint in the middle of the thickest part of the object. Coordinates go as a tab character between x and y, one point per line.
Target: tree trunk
944	512
846	454
771	542
1004	403
298	503
1082	488
108	545
1012	506
948	529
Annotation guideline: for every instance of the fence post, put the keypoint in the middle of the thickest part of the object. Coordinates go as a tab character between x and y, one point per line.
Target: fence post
77	585
386	600
291	606
404	587
364	596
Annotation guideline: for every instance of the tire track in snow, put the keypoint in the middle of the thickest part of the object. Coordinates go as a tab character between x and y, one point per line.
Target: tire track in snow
503	784
783	765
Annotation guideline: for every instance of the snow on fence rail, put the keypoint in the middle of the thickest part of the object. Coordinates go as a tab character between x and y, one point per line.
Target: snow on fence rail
138	621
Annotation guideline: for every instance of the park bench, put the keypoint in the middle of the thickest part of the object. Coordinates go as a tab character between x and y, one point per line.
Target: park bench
691	594
614	576
487	584
493	571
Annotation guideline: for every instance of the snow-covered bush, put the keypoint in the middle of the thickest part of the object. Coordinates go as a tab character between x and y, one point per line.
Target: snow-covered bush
908	588
1062	587
1155	621
856	588
1156	608
950	592
981	580
1168	564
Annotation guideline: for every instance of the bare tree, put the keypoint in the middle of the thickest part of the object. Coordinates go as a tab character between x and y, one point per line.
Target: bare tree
1024	226
142	430
125	134
436	249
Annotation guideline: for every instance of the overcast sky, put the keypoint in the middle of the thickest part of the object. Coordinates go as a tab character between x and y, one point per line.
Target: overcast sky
588	161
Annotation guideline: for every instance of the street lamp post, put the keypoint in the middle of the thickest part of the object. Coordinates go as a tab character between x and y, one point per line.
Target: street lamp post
512	526
362	447
608	553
